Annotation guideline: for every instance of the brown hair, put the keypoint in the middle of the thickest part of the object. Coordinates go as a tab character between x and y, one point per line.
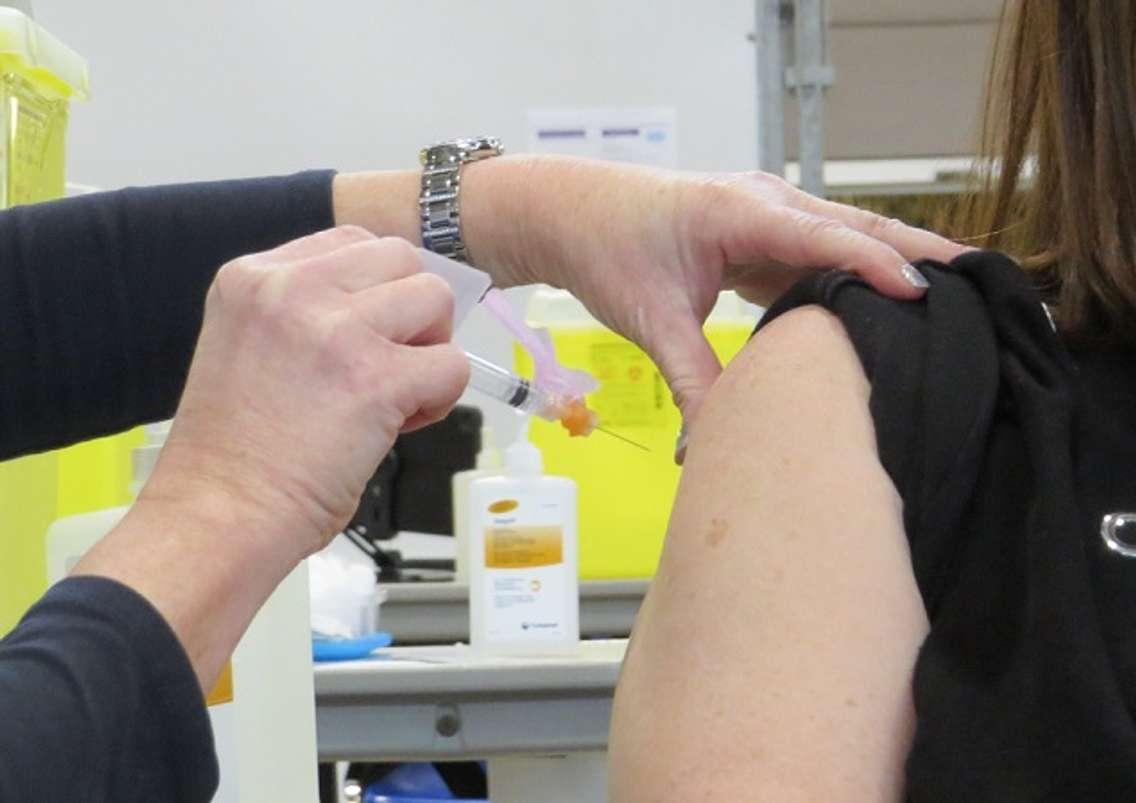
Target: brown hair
1062	89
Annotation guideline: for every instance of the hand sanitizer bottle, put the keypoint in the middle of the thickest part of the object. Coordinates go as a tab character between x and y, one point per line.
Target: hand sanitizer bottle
488	465
524	591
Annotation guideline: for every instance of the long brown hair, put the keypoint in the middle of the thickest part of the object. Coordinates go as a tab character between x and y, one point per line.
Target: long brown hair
1061	99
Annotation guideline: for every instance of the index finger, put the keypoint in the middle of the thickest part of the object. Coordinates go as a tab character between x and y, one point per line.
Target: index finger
911	242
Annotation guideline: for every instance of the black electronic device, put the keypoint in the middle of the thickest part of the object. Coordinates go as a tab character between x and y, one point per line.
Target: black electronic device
411	488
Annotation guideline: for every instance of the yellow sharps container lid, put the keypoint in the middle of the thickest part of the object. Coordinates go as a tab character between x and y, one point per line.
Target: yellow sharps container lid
43	59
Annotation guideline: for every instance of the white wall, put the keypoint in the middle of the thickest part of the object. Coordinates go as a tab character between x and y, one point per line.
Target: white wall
219	88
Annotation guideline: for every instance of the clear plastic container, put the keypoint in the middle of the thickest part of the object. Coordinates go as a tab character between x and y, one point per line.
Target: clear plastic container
39	76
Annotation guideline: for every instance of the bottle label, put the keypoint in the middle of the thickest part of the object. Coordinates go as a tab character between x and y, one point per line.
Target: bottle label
523	547
525	589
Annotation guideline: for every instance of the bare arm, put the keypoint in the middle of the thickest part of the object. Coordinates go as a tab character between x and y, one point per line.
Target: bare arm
672	239
772	658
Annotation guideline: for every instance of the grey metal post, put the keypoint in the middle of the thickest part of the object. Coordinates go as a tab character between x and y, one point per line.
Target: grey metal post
809	77
770	86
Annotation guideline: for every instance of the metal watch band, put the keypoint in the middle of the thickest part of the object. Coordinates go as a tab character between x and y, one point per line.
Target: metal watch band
439	202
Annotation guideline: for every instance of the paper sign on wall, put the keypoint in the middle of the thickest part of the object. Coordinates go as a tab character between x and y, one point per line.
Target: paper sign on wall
639	135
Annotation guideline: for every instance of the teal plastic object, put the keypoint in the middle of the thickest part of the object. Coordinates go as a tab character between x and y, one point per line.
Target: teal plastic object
349	649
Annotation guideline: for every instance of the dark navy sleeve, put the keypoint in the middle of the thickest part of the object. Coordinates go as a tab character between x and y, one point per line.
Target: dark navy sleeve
101	296
99	703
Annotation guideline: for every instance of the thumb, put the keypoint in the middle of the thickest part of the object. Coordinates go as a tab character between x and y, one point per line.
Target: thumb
688	364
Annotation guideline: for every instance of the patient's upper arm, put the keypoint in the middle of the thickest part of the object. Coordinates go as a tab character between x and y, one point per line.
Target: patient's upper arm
772	658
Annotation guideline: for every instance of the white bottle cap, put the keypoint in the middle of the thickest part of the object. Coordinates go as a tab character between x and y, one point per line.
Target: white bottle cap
522	459
490	456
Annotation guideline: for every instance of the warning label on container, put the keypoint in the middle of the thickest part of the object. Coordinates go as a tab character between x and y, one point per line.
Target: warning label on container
631	391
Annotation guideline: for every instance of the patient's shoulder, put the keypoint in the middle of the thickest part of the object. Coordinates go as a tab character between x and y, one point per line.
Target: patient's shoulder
796	388
841	368
804	357
804	334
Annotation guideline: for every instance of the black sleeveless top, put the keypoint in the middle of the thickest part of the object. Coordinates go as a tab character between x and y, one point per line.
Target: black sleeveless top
1008	449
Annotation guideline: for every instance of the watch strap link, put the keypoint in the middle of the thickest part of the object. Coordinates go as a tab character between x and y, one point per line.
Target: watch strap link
439	201
441	213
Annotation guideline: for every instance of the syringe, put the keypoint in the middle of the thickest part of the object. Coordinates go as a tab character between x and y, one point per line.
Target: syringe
515	391
523	396
472	286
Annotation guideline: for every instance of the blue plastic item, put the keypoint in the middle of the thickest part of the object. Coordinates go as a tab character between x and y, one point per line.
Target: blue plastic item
349	649
413	783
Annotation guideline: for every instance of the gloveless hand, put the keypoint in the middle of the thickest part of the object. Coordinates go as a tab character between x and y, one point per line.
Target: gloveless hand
312	358
648	250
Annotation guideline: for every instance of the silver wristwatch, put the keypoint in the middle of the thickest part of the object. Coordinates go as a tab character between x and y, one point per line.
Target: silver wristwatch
439	203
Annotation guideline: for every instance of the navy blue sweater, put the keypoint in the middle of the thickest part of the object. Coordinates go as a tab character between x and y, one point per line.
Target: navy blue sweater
101	299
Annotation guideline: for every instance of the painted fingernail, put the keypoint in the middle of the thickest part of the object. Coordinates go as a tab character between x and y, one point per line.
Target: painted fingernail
680	445
914	277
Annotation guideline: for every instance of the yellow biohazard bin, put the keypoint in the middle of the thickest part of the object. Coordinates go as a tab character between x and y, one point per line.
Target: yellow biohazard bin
39	76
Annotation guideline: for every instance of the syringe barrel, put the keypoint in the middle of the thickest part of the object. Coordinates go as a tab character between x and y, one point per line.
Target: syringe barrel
504	386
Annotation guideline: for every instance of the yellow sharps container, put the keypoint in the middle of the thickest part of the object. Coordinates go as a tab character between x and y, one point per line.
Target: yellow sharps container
39	76
625	493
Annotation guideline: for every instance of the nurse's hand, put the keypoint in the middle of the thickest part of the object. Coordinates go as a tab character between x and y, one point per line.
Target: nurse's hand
648	250
312	358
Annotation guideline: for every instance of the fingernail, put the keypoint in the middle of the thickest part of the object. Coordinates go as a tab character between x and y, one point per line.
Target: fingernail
914	277
680	445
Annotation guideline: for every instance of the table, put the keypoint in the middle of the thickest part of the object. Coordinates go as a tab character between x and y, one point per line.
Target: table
542	722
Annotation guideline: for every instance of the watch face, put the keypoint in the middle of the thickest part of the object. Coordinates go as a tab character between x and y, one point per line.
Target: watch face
483	147
441	153
460	150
